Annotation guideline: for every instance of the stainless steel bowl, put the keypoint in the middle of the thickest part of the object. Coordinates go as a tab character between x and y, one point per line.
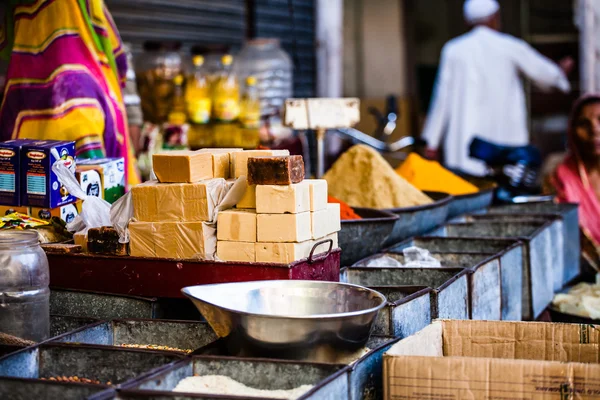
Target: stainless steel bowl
299	320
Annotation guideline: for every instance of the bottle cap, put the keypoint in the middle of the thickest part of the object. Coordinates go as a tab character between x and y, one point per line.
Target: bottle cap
198	61
227	59
178	80
251	81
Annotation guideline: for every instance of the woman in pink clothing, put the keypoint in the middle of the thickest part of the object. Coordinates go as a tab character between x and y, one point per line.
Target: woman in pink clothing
577	178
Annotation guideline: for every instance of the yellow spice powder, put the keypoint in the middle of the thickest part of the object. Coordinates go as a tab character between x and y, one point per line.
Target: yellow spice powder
361	177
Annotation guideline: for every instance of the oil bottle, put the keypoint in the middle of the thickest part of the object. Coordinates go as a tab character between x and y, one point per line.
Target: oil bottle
226	94
199	106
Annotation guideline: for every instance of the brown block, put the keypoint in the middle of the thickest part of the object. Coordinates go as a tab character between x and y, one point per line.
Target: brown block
276	170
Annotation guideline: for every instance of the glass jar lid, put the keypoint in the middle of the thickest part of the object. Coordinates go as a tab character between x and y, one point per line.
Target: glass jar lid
12	239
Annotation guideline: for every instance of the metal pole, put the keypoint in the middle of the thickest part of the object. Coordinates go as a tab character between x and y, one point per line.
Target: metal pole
320	152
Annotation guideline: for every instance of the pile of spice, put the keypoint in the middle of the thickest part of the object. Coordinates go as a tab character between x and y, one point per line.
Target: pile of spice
346	212
431	176
363	178
74	379
156	347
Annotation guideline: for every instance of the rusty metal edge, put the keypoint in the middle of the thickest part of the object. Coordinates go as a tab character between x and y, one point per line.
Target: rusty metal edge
27	380
445	201
418	293
512	242
160	371
386	216
192	261
128	296
543	224
54	339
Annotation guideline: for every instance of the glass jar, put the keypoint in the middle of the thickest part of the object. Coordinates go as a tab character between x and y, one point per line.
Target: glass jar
155	71
272	67
24	292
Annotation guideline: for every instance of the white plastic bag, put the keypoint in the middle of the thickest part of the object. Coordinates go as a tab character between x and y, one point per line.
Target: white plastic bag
95	212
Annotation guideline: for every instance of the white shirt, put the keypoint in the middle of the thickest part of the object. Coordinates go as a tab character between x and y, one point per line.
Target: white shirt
479	92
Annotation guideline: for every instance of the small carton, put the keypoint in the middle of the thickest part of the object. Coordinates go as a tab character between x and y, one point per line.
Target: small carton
90	179
113	176
452	359
67	212
10	167
39	185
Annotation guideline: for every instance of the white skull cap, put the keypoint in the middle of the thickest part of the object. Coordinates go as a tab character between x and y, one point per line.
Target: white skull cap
478	10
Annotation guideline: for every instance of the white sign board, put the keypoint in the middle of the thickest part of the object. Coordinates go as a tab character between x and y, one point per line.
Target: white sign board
321	113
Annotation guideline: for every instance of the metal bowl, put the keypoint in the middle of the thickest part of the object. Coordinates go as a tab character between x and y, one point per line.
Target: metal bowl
299	320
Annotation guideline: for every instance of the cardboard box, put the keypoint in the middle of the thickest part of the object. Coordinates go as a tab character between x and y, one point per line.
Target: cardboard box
452	359
113	178
67	212
5	210
90	179
10	172
39	185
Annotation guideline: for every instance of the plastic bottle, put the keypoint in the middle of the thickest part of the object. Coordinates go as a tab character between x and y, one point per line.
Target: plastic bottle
250	105
24	292
226	94
197	94
177	113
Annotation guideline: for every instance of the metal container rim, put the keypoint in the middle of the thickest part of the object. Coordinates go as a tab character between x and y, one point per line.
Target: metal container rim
381	297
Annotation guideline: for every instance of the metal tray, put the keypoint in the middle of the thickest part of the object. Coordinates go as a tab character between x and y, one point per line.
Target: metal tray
28	389
419	220
510	252
408	310
105	306
365	375
450	294
485	292
60	324
92	362
148	277
570	215
361	238
468	203
330	381
536	239
183	335
556	231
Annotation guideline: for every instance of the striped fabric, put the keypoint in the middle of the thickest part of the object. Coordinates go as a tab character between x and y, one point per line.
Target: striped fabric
66	70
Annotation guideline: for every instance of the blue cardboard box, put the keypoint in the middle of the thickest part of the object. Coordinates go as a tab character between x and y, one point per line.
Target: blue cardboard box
10	171
40	186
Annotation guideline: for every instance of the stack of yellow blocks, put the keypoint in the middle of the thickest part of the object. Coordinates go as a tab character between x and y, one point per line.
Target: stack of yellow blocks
285	224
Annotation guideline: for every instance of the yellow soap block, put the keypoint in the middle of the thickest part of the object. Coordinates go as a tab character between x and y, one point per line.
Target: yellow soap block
240	159
81	240
280	199
325	222
222	161
428	175
183	166
318	194
178	240
249	199
185	202
236	226
287	253
284	227
236	251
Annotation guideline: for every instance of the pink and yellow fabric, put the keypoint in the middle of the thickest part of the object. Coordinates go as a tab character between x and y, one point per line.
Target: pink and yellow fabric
66	70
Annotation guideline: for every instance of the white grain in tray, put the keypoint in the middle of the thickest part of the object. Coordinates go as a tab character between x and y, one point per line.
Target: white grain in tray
224	385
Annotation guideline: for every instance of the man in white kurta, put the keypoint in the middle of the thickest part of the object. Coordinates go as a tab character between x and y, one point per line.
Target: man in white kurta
479	88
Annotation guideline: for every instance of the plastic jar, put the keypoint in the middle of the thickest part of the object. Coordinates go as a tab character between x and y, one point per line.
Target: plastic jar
273	69
24	292
156	68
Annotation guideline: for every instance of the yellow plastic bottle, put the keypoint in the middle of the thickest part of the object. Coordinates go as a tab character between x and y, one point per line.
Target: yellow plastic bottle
226	94
250	105
197	94
178	114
